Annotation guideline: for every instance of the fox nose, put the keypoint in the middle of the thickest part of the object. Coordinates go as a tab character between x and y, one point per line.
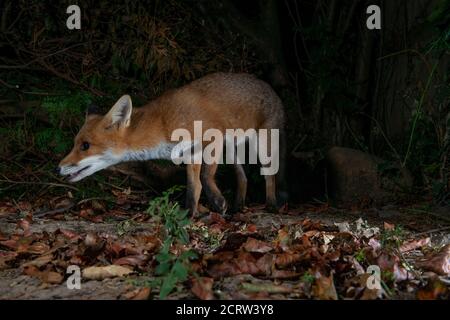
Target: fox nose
58	170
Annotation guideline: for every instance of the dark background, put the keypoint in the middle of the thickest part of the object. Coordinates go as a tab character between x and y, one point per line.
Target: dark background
383	92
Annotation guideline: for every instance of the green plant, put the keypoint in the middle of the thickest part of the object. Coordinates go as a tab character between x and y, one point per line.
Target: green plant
66	107
307	277
393	238
174	218
172	268
360	256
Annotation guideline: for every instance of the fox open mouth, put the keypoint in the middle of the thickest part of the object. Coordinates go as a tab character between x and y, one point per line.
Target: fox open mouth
73	176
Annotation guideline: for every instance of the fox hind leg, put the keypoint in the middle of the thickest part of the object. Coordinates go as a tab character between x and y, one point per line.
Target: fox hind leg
241	189
194	188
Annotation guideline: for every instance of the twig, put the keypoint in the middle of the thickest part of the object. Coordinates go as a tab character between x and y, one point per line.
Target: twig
41	183
433	231
42	57
41	214
27	92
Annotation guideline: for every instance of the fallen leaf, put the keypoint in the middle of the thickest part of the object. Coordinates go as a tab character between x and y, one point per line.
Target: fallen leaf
374	244
24	224
10	244
100	273
6	257
327	238
138	294
143	294
390	262
134	260
254	245
435	289
364	230
285	259
438	262
202	288
69	234
40	261
45	276
323	288
51	277
38	248
388	226
282	240
343	227
414	244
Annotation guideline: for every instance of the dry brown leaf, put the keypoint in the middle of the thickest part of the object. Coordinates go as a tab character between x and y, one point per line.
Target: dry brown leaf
133	260
24	224
38	248
100	273
285	259
45	276
69	234
388	226
10	244
40	261
254	245
138	294
282	240
51	277
439	262
391	263
202	288
5	257
323	288
435	289
414	244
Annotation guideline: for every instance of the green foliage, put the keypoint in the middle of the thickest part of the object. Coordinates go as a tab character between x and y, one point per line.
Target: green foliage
64	108
360	256
61	110
171	269
392	239
174	218
307	277
52	139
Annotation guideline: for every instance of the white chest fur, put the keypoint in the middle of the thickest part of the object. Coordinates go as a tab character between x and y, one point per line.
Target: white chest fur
161	151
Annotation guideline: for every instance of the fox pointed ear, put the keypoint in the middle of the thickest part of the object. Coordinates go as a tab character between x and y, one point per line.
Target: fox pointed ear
120	113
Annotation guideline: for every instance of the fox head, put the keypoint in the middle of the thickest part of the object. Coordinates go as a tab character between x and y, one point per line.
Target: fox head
100	143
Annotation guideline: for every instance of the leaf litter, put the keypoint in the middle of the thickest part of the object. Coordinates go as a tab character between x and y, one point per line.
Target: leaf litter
292	257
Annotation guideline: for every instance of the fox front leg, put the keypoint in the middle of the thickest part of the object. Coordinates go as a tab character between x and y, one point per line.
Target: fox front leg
194	188
215	197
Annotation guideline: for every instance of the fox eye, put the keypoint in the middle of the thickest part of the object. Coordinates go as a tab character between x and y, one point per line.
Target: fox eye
85	145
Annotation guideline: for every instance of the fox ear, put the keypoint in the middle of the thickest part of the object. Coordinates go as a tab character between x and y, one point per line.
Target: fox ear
120	113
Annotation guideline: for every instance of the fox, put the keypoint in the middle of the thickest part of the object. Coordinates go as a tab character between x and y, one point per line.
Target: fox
220	100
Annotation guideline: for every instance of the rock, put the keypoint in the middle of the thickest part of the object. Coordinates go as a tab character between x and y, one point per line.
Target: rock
354	176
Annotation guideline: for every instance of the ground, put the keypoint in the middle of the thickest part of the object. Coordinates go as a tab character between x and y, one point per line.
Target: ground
309	251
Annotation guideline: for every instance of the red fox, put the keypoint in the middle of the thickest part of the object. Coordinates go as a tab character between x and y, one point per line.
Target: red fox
220	100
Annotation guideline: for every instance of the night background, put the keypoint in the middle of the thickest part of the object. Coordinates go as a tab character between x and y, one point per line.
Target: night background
368	135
